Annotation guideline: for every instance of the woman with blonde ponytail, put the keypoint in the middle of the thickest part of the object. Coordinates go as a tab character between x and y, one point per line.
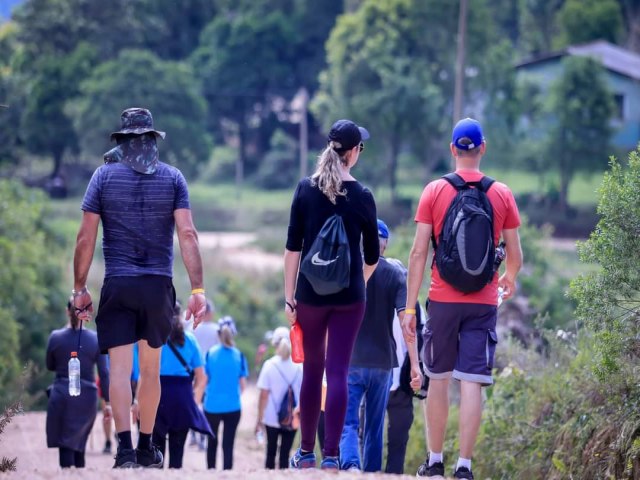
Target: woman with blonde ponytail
331	190
227	371
276	376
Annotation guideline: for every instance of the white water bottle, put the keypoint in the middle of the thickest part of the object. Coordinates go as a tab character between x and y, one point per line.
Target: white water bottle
260	437
74	375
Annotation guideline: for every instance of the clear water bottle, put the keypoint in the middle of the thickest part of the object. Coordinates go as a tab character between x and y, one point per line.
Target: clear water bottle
74	375
260	437
500	295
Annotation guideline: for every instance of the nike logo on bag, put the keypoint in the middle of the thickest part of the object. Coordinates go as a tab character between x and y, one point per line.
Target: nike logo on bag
316	260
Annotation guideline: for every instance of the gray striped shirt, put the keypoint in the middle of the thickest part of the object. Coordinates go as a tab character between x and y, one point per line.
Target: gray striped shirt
137	217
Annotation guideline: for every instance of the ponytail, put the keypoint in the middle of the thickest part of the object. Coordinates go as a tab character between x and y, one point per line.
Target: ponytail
283	349
327	175
226	336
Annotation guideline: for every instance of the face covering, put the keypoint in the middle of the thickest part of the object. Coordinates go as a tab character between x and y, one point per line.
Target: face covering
139	152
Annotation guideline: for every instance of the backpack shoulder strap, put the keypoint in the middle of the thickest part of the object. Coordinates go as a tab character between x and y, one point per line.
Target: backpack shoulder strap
179	357
289	383
455	180
485	183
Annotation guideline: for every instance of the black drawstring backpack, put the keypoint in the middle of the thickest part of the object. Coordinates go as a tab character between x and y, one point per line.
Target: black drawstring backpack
327	265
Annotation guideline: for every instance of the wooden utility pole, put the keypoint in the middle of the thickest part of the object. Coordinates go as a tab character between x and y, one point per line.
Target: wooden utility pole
459	86
304	133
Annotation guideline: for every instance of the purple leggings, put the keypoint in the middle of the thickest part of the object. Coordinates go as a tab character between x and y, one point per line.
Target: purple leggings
342	323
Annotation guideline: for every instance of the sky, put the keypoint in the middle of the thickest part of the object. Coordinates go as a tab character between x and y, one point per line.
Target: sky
6	6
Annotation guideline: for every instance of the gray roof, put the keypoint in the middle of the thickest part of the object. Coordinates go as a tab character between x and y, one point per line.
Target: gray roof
612	57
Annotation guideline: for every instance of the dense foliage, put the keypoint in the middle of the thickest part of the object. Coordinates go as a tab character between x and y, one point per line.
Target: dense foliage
225	76
575	412
32	301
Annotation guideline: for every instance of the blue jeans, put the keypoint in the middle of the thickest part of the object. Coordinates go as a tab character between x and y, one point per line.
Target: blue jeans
373	384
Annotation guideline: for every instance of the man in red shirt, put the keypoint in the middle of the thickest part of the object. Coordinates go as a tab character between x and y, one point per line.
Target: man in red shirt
460	336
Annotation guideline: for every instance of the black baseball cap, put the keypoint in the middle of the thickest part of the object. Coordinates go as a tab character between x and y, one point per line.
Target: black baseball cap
347	135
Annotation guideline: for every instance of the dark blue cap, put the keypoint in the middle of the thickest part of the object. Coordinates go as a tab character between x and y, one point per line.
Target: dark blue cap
469	128
383	230
347	134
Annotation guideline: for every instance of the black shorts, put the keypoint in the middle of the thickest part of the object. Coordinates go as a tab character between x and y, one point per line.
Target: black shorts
135	308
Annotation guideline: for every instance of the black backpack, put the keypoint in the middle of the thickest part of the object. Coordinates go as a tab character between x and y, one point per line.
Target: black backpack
466	250
327	265
287	405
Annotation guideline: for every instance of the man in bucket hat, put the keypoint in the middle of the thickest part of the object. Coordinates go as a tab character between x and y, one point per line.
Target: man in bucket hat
140	202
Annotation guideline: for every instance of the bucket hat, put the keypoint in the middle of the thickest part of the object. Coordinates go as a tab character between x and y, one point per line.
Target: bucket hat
137	121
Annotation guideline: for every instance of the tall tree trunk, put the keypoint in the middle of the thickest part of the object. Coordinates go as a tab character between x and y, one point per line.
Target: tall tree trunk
394	148
565	178
57	162
631	9
241	159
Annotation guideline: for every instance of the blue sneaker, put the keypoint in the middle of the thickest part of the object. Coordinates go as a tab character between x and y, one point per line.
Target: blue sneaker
299	461
330	463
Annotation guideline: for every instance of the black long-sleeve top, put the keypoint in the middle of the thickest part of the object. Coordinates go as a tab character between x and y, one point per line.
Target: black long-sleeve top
64	341
309	210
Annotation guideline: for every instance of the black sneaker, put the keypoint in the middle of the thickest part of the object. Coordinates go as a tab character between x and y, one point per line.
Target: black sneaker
463	472
125	459
107	447
435	470
149	458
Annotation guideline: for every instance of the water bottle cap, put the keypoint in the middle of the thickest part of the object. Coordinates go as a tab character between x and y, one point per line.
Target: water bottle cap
74	354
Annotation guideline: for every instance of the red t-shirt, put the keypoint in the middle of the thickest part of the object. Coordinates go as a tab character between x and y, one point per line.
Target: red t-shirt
433	206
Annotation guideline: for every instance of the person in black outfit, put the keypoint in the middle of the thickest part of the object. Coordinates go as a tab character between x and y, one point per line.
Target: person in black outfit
70	419
331	190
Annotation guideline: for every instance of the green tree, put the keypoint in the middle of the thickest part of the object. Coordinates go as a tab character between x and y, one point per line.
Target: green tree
583	21
31	300
47	127
609	298
175	101
172	29
391	67
539	25
9	118
580	109
244	63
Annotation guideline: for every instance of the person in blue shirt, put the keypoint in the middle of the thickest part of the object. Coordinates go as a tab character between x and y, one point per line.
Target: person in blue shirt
227	371
181	373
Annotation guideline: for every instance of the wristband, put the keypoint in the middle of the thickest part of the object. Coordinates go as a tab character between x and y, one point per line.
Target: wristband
410	311
293	309
197	290
77	293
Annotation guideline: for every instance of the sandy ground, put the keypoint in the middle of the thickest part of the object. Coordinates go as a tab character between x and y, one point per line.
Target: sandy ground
25	439
237	249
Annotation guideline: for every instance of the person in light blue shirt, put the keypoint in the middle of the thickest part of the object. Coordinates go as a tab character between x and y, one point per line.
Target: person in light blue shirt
226	370
182	379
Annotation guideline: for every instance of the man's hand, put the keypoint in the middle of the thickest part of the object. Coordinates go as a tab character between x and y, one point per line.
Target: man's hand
508	286
290	311
106	412
416	378
196	307
409	327
82	304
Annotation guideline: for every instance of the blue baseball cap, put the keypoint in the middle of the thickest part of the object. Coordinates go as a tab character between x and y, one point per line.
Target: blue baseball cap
383	230
467	128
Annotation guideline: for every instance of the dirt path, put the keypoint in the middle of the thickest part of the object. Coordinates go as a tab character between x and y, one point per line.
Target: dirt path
25	438
236	249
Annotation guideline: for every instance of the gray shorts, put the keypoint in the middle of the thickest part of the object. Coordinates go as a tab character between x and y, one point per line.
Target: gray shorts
460	341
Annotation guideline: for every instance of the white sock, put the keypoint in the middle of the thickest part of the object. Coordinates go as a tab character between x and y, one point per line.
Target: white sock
434	457
463	462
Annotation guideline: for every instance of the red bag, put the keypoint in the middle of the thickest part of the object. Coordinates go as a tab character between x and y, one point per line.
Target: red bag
297	352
